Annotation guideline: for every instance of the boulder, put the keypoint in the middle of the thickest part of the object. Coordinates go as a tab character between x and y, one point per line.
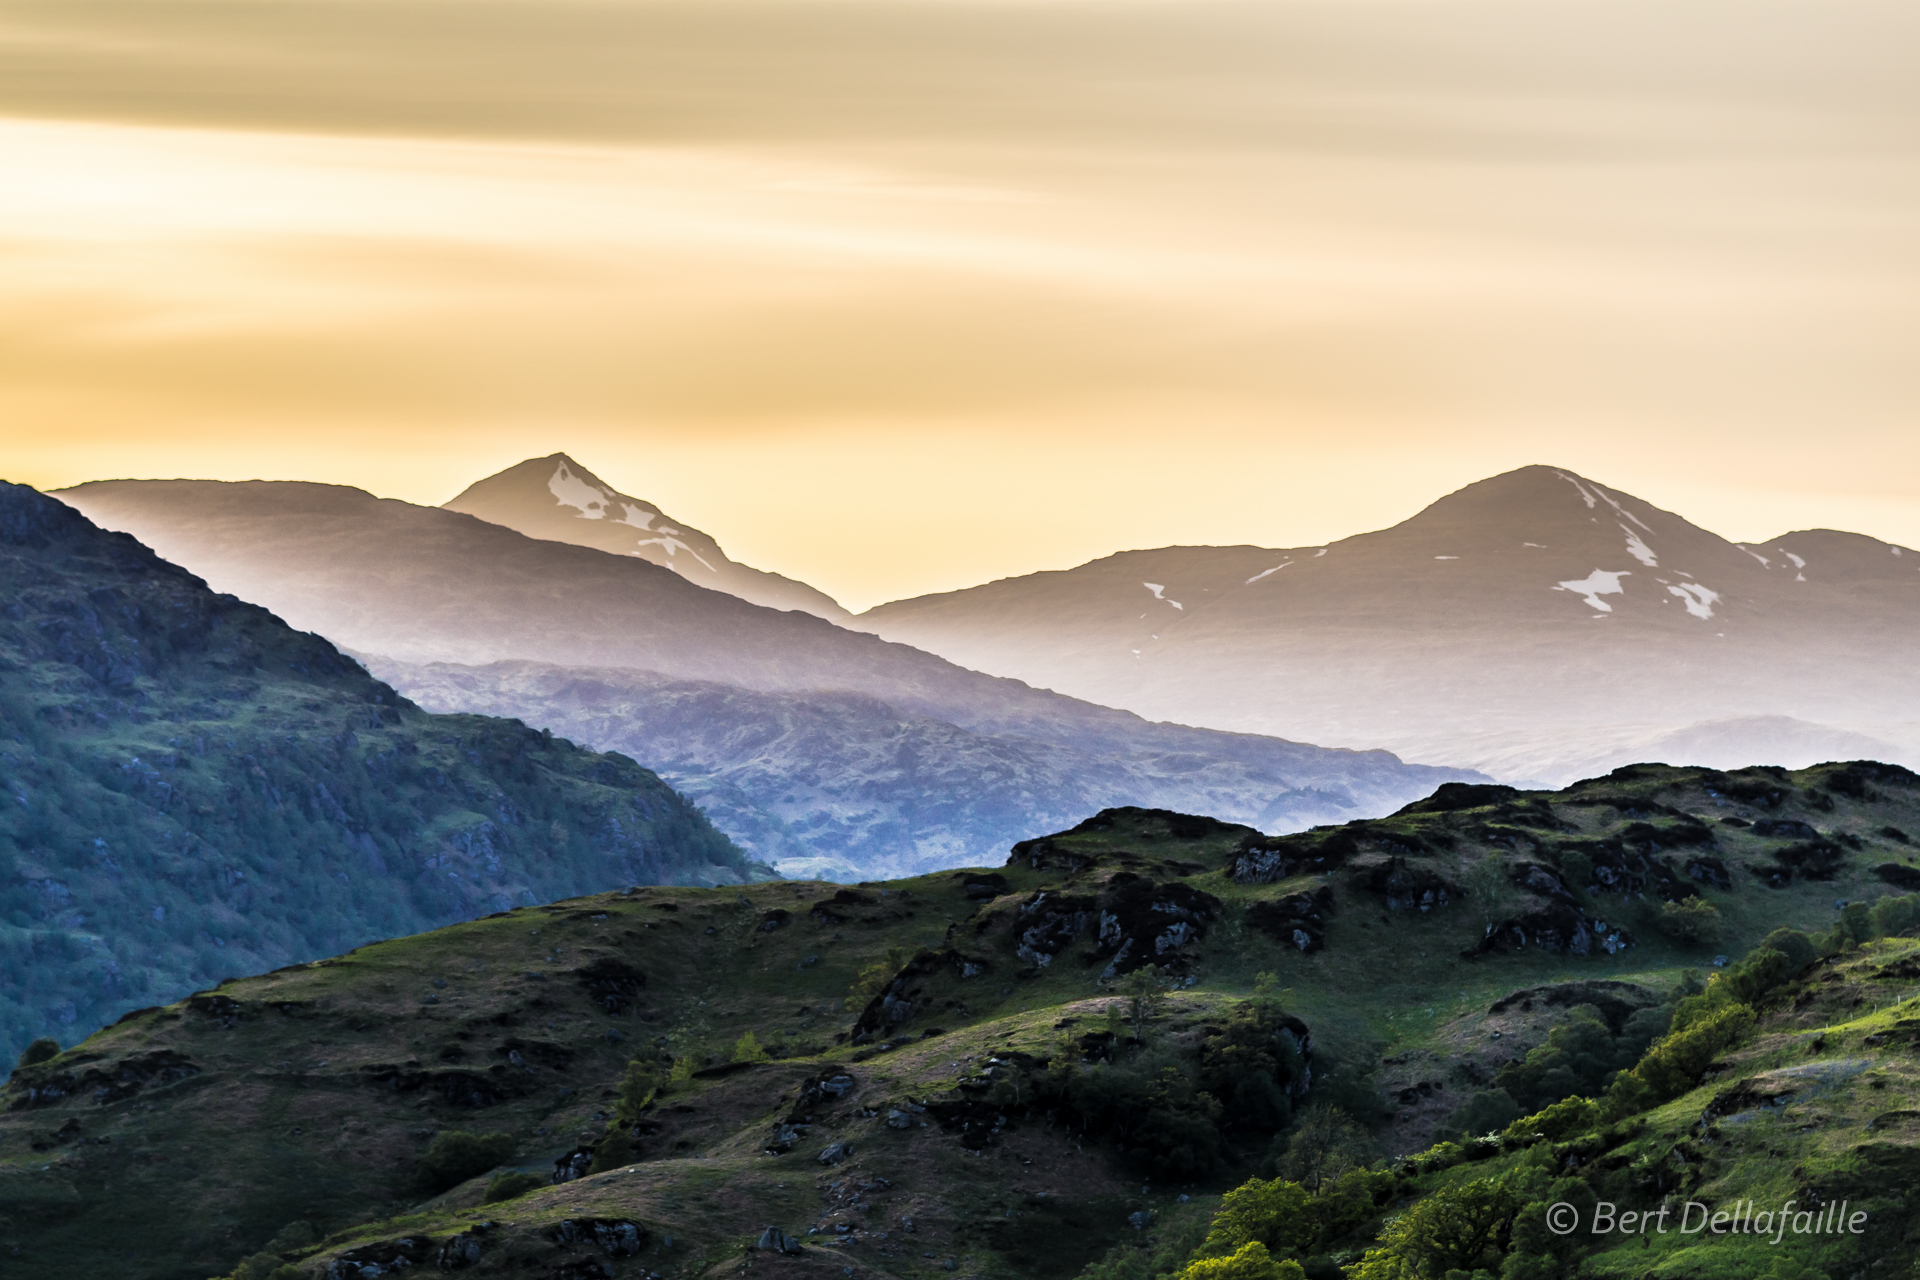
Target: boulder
835	1153
774	1240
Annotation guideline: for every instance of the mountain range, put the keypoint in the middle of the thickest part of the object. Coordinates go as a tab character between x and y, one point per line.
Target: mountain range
811	741
189	788
1533	625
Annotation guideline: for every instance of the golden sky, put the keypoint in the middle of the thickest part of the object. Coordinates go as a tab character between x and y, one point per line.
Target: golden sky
897	297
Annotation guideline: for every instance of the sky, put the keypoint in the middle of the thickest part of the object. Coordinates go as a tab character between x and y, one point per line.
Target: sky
899	297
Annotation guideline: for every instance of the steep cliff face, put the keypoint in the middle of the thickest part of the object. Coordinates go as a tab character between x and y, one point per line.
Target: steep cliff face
189	788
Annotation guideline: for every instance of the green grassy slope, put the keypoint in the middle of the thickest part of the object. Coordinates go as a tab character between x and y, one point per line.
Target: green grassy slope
182	1140
190	789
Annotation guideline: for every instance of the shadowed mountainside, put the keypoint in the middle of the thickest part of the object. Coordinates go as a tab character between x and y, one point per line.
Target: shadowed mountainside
845	786
192	789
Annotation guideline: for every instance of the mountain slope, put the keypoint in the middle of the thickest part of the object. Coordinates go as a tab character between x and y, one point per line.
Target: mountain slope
192	789
557	499
418	586
845	786
992	1100
1537	612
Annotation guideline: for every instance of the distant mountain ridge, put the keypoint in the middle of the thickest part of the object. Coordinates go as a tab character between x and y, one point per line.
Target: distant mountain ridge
845	786
1537	617
190	788
419	586
557	499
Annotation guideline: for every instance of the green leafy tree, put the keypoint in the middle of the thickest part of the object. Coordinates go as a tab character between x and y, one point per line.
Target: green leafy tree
1325	1144
1457	1228
1250	1262
1275	1214
1691	921
748	1049
1145	995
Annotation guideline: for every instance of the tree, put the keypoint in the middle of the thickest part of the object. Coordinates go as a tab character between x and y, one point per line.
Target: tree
1325	1143
875	978
1249	1262
1145	995
1457	1228
1486	885
1274	1214
44	1049
1691	921
747	1049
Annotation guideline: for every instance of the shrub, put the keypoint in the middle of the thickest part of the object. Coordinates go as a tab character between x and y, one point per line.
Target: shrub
873	979
613	1151
457	1155
265	1266
1487	1111
41	1050
1673	1066
1892	917
1558	1122
635	1092
748	1049
1691	921
1578	1057
511	1186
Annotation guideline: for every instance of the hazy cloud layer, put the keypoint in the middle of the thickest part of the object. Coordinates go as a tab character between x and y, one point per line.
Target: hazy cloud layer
899	297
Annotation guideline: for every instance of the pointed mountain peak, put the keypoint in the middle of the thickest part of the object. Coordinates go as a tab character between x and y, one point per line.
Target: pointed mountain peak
556	499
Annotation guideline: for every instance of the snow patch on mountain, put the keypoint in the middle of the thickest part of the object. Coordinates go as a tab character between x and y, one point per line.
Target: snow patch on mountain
589	500
1639	550
1158	590
1264	572
1601	582
1699	600
1590	500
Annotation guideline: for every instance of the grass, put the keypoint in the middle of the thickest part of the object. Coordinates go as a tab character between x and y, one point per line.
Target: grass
288	1120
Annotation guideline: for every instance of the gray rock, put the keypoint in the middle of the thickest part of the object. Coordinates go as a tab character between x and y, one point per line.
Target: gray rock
899	1120
1139	1219
835	1153
774	1240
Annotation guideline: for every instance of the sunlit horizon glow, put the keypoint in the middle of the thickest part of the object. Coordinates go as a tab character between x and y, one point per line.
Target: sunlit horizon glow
901	298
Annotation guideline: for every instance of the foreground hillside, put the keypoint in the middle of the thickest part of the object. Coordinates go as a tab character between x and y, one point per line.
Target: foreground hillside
1005	1072
192	790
